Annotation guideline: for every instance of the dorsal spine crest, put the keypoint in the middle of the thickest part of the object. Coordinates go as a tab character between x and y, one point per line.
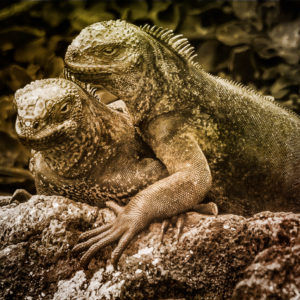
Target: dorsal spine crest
182	47
179	44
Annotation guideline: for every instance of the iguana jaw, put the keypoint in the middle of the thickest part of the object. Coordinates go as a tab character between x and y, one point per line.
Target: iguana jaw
46	137
83	76
86	69
88	79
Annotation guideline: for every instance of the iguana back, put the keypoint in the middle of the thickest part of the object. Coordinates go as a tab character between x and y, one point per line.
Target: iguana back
252	145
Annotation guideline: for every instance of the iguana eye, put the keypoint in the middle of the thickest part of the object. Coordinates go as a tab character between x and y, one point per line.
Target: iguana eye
109	51
65	108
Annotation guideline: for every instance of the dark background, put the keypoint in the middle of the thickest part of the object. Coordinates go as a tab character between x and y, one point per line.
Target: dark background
257	43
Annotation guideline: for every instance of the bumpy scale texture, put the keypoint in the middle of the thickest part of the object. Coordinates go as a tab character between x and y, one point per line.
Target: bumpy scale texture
214	257
82	149
216	138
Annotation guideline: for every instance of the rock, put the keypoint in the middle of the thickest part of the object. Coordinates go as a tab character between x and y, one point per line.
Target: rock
215	258
36	238
274	274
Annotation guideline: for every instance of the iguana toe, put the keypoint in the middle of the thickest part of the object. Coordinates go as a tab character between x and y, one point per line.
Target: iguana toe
21	195
179	226
207	208
203	208
94	232
91	241
164	227
180	219
123	228
98	243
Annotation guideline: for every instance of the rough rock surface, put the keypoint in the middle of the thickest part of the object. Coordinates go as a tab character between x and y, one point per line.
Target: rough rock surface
275	271
215	258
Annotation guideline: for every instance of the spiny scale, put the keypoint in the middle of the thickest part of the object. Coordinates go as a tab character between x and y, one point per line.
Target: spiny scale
182	47
177	43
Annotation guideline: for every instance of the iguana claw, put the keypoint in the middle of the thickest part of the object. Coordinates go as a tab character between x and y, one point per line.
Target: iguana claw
122	228
203	208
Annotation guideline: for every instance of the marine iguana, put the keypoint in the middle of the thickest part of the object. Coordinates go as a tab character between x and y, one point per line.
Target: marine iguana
216	137
84	150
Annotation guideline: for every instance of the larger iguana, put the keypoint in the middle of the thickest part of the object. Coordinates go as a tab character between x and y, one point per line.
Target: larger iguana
84	150
216	138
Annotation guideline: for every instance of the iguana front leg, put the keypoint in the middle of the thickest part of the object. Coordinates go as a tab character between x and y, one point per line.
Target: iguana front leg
187	185
100	237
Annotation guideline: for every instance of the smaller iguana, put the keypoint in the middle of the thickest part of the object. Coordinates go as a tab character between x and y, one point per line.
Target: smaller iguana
84	150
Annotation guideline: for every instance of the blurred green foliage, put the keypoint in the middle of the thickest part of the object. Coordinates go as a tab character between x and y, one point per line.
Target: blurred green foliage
256	43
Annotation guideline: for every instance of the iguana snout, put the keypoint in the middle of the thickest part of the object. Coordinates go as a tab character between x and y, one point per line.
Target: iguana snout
39	136
27	127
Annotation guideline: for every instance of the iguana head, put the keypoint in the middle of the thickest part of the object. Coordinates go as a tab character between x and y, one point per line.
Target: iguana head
126	59
103	53
48	112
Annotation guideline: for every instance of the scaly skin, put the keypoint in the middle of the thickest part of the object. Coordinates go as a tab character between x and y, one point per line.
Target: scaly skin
215	137
78	141
83	150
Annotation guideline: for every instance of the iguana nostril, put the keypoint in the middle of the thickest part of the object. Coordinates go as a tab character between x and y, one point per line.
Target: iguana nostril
35	125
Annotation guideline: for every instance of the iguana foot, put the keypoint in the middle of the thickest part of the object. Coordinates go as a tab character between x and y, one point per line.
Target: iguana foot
123	228
166	223
209	208
21	195
203	208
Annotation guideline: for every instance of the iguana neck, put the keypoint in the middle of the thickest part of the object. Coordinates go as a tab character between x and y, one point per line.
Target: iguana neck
146	96
155	97
163	70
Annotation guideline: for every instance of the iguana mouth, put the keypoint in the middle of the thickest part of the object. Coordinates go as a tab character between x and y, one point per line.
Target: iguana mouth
85	69
87	81
46	138
80	77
